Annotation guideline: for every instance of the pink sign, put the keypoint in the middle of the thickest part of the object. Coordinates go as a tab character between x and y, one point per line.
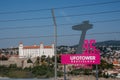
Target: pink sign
80	59
90	55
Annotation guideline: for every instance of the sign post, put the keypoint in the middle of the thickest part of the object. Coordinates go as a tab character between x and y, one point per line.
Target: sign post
64	72
96	72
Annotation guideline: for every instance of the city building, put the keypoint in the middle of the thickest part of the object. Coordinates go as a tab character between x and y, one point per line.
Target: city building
35	51
116	63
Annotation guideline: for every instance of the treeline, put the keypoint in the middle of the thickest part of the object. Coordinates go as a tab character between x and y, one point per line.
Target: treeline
13	71
44	68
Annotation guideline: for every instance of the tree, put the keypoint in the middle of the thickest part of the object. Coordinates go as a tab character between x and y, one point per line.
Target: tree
37	62
13	66
104	65
29	61
42	71
43	58
87	72
58	59
3	57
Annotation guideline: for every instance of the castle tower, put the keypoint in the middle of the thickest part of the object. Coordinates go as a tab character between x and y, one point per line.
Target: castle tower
41	49
21	54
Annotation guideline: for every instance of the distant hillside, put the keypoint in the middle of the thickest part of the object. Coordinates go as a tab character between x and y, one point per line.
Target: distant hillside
105	43
109	43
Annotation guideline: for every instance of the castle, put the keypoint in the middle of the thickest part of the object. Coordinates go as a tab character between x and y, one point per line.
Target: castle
35	51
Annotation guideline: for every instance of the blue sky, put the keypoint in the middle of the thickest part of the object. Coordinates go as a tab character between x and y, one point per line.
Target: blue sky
43	30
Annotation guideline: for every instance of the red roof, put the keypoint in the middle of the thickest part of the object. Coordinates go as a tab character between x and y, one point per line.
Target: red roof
35	47
115	62
31	47
47	46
